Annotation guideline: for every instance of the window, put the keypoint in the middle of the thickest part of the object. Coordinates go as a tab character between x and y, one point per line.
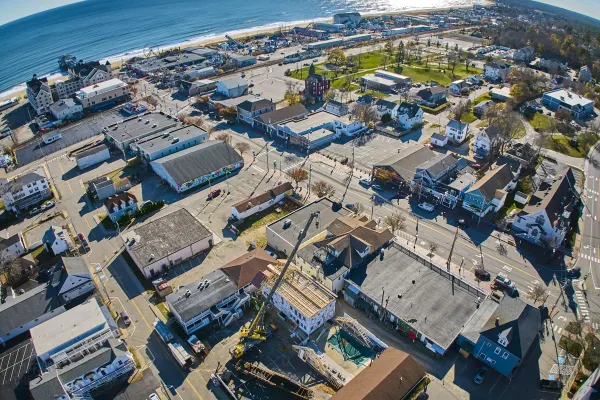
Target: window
488	344
482	355
498	350
492	362
505	355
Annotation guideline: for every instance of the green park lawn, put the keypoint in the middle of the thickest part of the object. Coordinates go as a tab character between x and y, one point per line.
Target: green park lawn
541	122
482	98
563	144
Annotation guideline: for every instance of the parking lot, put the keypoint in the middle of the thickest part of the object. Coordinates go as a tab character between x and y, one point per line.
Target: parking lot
17	367
376	149
71	135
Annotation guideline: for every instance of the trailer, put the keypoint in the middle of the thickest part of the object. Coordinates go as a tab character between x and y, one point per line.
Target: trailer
197	345
274	379
182	357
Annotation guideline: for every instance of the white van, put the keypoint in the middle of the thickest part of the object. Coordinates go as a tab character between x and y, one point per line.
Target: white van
51	137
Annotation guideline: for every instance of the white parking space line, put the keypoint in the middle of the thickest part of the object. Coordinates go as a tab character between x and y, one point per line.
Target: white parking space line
13	362
259	169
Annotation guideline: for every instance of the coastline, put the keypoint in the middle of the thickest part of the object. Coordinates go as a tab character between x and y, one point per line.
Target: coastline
117	60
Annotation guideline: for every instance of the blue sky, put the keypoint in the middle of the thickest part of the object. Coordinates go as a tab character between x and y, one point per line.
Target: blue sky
15	9
585	7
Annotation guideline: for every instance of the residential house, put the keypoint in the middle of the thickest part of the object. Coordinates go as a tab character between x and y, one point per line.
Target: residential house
12	247
433	175
392	375
459	87
383	107
409	116
198	165
480	109
261	202
501	334
92	156
248	110
73	276
403	165
20	313
496	71
315	86
102	94
91	72
232	87
26	191
39	94
57	240
304	301
489	193
547	217
348	242
457	131
66	109
486	139
585	74
579	106
501	94
102	188
438	139
271	121
553	64
120	204
166	241
525	54
336	108
432	97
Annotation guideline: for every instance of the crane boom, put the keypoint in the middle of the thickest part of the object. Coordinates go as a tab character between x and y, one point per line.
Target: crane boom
256	330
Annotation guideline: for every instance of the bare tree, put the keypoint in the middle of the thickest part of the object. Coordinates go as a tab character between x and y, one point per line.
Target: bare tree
504	125
432	248
298	175
538	291
365	113
242	147
396	221
225	137
322	189
460	109
452	61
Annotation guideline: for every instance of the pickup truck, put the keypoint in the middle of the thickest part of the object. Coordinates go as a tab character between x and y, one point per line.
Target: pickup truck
196	344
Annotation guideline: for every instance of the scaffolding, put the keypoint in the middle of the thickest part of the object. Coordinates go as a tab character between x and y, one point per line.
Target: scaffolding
335	377
274	379
358	332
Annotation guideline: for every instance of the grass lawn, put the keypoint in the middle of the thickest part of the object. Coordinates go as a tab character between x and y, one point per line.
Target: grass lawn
38	253
482	98
261	219
469	117
164	309
541	122
563	145
510	205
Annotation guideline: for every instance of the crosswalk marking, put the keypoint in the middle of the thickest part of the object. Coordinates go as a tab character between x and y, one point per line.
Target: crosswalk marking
557	329
593	259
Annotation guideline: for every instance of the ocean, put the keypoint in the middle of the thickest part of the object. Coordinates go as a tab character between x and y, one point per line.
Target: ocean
113	29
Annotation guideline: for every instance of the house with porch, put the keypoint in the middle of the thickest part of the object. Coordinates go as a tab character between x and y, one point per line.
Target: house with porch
432	96
383	107
486	139
489	193
457	131
409	115
248	110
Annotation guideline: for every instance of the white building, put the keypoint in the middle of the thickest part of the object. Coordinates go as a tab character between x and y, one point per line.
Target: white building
383	107
120	204
385	80
347	18
409	115
166	241
26	191
485	139
162	144
459	87
585	74
304	301
439	140
12	247
39	94
66	109
496	71
103	93
91	72
251	206
67	88
457	131
546	219
248	110
92	156
336	108
57	240
232	87
525	54
74	278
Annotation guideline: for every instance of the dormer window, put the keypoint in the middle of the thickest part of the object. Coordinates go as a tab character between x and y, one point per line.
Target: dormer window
503	341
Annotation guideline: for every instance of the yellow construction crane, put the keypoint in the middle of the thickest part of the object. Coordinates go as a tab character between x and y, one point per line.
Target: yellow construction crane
257	331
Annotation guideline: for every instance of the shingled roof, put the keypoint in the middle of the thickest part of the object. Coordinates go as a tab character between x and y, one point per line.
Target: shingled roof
263	197
243	269
493	181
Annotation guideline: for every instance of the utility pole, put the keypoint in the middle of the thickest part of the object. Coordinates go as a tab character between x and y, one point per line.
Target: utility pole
481	254
451	251
309	177
267	150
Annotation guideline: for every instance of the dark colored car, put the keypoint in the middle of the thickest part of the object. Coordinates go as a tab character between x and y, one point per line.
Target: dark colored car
214	194
574	272
480	375
463	223
482	274
550	385
81	237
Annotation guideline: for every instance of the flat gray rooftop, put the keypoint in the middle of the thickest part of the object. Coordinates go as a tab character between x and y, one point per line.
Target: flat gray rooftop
220	287
311	121
140	126
428	302
327	215
158	141
163	236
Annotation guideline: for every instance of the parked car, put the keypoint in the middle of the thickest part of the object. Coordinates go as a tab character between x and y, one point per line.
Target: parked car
476	165
81	237
287	223
482	274
365	182
551	384
125	318
351	207
505	284
34	211
153	396
213	194
426	206
377	187
480	375
271	253
463	223
251	85
574	272
48	205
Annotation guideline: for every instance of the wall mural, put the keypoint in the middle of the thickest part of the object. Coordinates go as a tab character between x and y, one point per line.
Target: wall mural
212	176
